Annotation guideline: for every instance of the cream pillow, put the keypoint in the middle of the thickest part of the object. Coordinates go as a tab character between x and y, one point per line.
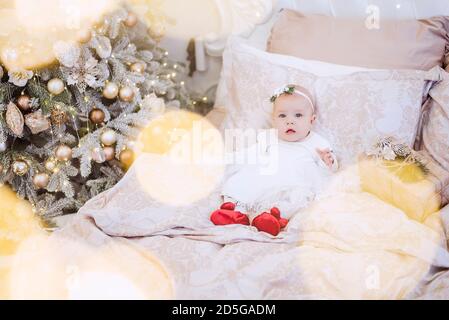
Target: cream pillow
354	107
317	67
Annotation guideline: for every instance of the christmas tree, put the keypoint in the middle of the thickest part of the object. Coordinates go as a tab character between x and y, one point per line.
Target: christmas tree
67	131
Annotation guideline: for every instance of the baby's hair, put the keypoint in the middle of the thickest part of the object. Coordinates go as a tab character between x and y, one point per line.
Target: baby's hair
295	89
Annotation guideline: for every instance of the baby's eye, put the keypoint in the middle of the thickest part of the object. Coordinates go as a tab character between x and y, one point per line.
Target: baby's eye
298	115
281	115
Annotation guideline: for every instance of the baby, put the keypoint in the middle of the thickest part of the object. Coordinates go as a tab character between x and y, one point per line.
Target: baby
305	162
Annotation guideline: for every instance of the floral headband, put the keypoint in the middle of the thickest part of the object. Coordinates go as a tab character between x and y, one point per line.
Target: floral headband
290	89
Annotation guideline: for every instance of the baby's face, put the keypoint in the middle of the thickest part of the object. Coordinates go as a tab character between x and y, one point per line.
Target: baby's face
293	117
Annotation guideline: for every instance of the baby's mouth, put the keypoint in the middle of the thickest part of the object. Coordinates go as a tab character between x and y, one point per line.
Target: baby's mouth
290	131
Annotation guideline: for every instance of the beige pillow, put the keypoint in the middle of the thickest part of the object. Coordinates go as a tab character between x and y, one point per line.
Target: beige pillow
354	109
397	44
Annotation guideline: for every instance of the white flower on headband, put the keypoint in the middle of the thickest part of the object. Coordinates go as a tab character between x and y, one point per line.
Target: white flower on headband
290	89
281	91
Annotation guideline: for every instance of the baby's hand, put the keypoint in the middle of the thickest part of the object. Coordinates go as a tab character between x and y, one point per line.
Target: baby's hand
326	156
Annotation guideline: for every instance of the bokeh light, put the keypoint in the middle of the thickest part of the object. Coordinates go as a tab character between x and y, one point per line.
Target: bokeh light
64	266
29	29
17	222
184	158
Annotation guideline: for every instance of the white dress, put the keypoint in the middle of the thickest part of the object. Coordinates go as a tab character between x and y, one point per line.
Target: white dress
287	175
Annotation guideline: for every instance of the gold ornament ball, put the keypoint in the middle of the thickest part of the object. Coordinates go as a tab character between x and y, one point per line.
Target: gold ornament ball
109	153
41	180
24	102
20	167
110	91
131	20
84	36
109	137
127	157
157	30
55	86
50	165
63	153
126	94
138	67
97	116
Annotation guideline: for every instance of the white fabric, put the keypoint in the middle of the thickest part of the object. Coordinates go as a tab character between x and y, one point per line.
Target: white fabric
287	175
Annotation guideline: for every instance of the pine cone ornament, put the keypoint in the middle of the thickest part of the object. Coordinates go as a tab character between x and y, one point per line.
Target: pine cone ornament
58	116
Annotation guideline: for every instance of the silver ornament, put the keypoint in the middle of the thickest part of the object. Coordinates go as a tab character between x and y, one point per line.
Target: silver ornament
55	86
126	94
41	180
3	146
20	167
110	91
63	153
108	138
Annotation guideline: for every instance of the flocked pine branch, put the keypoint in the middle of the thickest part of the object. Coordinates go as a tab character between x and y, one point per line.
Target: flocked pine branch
53	121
